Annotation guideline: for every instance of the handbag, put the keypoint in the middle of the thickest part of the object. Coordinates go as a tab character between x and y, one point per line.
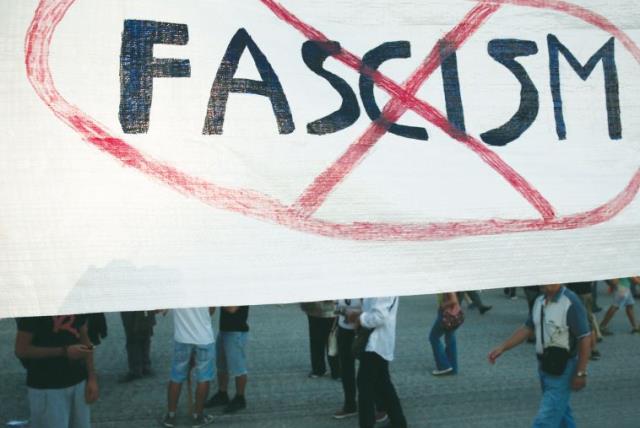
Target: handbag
553	360
332	343
360	340
452	318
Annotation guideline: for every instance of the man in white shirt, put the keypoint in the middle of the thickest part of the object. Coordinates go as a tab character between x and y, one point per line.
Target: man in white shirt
378	314
193	338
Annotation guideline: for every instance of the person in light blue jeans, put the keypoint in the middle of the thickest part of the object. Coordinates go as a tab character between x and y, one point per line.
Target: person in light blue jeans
446	357
558	320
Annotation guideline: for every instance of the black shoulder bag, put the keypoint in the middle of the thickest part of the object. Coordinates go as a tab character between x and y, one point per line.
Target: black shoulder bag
554	358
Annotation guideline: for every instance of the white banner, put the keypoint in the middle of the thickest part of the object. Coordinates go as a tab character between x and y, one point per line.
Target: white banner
207	152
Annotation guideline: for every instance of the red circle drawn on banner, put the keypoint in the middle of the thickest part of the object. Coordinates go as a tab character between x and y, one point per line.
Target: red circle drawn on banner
299	216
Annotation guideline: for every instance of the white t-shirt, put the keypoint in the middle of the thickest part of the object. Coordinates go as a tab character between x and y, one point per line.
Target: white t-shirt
192	326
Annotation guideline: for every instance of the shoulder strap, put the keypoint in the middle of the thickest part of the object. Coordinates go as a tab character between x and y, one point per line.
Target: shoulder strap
542	322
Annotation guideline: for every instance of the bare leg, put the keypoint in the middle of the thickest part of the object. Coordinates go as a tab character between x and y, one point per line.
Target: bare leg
631	316
610	313
223	381
241	384
202	390
173	394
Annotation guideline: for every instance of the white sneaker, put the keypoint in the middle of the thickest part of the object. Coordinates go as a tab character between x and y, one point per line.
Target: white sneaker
442	372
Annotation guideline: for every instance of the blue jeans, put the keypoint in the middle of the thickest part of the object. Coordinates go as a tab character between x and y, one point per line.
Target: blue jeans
204	356
230	353
446	356
555	410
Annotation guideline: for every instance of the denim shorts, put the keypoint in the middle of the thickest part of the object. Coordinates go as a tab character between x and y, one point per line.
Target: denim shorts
230	352
204	357
623	299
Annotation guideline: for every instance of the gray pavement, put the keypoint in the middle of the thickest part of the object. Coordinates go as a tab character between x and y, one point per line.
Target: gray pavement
280	394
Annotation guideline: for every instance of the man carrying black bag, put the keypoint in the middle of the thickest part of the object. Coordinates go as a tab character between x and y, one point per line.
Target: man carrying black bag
378	315
559	321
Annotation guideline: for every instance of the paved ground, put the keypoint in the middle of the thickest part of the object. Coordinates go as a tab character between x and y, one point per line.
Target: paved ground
280	395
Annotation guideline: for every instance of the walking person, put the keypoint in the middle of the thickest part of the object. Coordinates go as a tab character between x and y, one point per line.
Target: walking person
559	321
61	380
138	329
621	289
476	301
446	357
378	316
231	358
321	317
193	344
346	332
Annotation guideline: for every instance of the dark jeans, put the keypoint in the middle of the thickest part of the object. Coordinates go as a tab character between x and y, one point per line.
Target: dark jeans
319	329
138	330
348	371
374	380
510	291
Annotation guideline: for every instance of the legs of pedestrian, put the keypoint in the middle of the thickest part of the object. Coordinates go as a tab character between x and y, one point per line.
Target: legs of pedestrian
440	355
135	351
348	373
632	318
607	318
319	330
316	347
374	379
477	300
555	409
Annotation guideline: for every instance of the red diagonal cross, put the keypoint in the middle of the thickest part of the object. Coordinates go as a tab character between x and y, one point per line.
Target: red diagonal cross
402	99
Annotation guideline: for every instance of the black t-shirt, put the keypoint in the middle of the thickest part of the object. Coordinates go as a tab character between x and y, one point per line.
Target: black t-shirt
236	321
53	332
580	287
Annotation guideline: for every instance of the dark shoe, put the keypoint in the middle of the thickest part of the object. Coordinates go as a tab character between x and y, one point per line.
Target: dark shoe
129	377
484	309
605	331
595	355
345	413
201	421
238	403
219	399
381	417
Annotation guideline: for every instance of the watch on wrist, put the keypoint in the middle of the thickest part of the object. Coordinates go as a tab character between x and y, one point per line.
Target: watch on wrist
581	374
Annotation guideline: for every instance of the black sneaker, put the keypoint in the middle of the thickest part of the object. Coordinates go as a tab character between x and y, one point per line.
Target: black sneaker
169	421
201	421
238	403
219	399
485	309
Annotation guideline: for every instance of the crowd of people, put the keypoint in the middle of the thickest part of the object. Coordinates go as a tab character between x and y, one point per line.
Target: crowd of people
350	339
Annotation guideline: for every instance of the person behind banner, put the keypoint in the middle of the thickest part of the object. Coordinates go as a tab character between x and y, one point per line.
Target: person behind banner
378	316
321	318
446	357
559	321
61	380
138	329
231	358
622	297
194	343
